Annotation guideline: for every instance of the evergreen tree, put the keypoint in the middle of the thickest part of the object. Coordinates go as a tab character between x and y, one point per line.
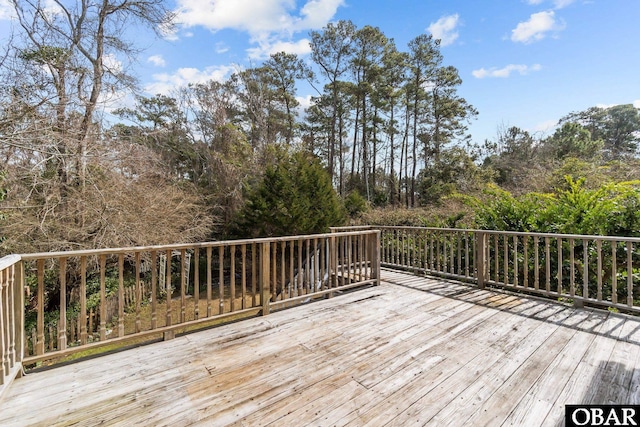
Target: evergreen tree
294	197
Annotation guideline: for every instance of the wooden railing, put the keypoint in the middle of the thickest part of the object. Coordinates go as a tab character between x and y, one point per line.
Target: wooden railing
11	320
75	301
595	270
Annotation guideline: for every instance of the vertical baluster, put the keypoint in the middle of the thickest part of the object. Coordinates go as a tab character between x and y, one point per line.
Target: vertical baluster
431	252
254	273
196	283
264	277
516	271
403	248
399	241
18	303
103	298
496	271
547	248
11	318
4	351
505	266
168	302
559	266
344	260
307	267
299	276
62	322
585	268
83	300
572	272
451	253
243	255
408	248
121	295
221	279
536	263
479	261
599	273
4	326
232	278
614	273
283	269
466	254
437	236
323	261
10	332
154	289
349	256
138	326
525	256
210	278
445	252
40	317
183	285
629	274
359	251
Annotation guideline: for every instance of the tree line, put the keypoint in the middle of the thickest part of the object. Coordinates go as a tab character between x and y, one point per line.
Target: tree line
385	128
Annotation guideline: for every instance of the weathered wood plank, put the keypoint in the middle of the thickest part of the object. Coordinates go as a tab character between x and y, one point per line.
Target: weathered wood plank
411	350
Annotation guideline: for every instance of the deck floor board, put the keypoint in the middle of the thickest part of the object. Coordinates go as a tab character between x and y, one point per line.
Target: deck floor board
415	350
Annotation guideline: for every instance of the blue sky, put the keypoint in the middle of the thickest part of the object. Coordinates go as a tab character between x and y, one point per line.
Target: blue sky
523	63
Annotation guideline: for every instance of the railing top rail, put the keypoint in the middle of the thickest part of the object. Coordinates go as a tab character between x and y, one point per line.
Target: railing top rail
354	227
8	261
512	233
178	246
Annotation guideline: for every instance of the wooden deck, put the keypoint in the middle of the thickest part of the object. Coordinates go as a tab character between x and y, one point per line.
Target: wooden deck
412	351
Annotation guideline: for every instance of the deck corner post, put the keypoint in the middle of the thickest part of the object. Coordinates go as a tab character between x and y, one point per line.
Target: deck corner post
480	260
265	270
375	257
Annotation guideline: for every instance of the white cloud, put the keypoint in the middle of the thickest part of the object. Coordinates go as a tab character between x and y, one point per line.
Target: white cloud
505	71
256	17
165	83
636	103
157	60
266	48
269	23
445	29
536	28
558	4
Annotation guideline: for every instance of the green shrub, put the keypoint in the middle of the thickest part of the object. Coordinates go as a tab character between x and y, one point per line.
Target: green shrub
355	204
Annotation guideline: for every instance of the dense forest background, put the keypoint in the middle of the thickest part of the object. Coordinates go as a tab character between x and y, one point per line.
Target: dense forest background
385	141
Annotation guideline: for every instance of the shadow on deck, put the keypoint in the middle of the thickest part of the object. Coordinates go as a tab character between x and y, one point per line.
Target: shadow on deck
414	350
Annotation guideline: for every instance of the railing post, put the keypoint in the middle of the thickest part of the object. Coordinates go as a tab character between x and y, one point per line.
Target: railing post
265	271
480	260
374	256
19	291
